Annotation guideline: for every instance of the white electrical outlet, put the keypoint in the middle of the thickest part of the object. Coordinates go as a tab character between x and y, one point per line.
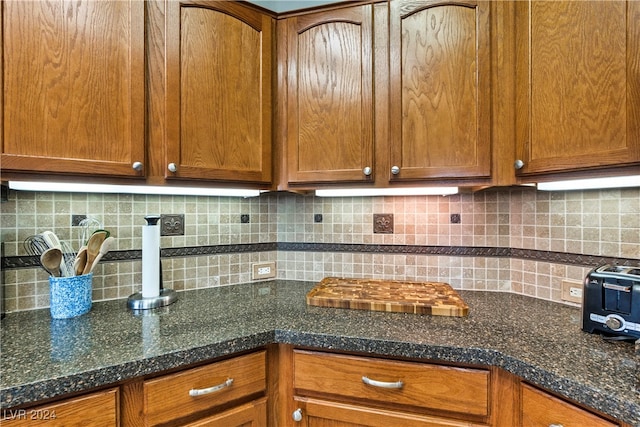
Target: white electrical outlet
264	270
575	292
571	291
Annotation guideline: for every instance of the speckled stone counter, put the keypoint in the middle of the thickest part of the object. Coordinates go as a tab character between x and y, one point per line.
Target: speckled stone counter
538	340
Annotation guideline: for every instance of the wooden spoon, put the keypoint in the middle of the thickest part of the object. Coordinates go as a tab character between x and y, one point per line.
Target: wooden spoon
80	261
50	260
104	249
93	249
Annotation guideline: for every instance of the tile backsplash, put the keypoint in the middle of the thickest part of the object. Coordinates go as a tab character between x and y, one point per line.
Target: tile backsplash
218	248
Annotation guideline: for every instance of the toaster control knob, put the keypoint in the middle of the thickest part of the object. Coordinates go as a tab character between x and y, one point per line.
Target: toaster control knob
614	323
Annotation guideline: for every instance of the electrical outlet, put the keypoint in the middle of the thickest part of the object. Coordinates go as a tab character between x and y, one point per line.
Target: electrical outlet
571	291
264	270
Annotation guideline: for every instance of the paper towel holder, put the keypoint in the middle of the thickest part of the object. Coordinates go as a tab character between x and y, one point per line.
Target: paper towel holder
166	297
137	302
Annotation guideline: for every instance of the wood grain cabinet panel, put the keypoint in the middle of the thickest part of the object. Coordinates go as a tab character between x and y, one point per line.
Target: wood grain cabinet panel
319	413
73	87
96	409
330	95
578	85
439	389
440	89
212	92
168	398
542	409
252	414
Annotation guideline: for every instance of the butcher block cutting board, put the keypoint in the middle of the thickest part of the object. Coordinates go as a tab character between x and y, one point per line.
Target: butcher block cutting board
434	298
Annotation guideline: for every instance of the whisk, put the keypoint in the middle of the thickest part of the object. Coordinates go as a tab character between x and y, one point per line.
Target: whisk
87	227
37	244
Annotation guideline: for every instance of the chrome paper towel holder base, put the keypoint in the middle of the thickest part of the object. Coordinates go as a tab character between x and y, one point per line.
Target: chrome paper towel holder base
137	302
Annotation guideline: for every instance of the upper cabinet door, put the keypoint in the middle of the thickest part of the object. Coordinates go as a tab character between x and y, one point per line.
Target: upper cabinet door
578	84
218	98
440	90
329	108
73	87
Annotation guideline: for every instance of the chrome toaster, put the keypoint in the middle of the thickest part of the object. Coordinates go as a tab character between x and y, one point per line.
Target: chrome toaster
611	301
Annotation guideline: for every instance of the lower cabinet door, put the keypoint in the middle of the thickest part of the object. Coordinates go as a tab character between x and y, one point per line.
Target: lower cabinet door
320	413
542	409
252	414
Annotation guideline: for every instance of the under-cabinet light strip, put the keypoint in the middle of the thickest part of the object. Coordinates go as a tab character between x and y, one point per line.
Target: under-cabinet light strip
416	191
591	183
129	189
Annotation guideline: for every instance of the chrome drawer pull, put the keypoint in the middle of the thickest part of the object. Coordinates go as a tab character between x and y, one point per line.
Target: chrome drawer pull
382	384
200	391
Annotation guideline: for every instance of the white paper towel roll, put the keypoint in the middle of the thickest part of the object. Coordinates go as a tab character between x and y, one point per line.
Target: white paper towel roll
150	261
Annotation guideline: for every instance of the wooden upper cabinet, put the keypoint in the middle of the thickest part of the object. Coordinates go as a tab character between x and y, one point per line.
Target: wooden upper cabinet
578	84
440	90
73	87
329	89
212	93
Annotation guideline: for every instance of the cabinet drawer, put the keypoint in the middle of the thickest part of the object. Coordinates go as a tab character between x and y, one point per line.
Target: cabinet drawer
168	398
440	388
252	414
317	412
98	409
540	408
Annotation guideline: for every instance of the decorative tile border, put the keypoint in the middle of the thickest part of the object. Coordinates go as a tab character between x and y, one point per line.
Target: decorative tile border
15	262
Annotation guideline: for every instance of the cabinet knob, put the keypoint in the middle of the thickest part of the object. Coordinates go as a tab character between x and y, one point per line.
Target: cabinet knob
297	415
518	164
556	425
172	167
395	170
367	171
137	166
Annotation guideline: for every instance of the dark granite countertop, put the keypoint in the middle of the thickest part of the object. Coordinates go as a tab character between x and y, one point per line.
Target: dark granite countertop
538	340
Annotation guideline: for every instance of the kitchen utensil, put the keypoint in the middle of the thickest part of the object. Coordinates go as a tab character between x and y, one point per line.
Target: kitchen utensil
68	259
35	245
87	227
80	261
93	248
50	260
101	230
387	295
104	249
51	239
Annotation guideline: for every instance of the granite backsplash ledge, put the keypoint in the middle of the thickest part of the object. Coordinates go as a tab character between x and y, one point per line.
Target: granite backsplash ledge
538	340
514	239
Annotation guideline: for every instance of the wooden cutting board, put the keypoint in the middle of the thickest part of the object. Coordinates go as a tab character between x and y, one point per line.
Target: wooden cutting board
434	298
